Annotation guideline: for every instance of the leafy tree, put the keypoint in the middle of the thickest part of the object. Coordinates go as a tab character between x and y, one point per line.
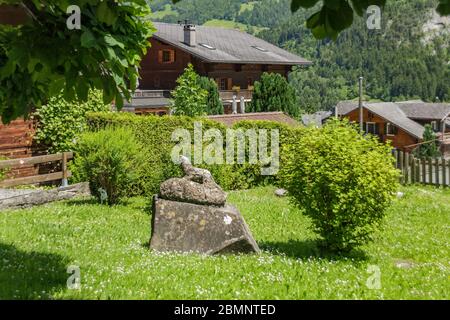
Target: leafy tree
430	147
370	53
274	93
342	180
189	98
337	15
61	122
214	104
42	57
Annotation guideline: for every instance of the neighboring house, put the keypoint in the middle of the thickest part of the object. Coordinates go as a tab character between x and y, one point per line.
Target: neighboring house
234	59
402	122
230	119
316	119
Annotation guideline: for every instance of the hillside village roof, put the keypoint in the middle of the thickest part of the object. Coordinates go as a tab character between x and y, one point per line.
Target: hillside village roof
422	110
219	45
401	113
392	113
230	119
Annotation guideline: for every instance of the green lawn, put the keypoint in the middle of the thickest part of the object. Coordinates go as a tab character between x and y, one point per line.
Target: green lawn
110	247
163	13
227	24
247	6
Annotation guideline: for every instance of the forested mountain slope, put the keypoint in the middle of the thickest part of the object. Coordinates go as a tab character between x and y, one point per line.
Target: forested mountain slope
406	59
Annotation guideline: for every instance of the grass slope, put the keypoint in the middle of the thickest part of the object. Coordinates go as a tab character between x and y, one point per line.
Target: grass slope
231	25
110	247
157	15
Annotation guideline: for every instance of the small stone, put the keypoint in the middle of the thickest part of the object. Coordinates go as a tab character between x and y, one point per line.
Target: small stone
281	192
400	195
404	264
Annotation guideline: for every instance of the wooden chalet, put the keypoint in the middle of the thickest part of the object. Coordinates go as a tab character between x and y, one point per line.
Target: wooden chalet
402	122
234	59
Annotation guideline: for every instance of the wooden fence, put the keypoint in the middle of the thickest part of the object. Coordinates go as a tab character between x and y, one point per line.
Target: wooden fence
434	171
62	175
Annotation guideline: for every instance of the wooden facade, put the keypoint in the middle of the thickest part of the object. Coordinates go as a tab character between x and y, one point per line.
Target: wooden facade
16	141
399	138
164	63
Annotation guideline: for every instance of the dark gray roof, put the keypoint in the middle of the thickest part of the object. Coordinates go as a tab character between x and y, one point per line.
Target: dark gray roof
412	109
423	110
147	102
345	107
317	118
392	113
230	46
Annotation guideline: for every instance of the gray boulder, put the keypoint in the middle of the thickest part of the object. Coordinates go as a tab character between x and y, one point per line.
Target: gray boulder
187	227
197	186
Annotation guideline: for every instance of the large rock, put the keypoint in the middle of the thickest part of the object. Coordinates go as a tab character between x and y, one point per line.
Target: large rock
187	227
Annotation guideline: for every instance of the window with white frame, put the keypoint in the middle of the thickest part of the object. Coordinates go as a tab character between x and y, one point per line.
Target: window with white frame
391	130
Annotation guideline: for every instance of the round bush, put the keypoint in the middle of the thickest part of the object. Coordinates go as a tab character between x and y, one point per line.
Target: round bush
111	160
343	181
60	122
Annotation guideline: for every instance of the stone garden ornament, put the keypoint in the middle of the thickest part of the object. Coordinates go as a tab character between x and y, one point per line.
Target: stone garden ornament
190	214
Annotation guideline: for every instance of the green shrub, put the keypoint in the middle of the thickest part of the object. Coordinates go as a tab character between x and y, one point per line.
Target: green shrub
60	122
213	103
154	133
274	93
110	159
430	149
344	181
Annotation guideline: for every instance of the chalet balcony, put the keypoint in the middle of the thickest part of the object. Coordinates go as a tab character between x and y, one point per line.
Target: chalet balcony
227	95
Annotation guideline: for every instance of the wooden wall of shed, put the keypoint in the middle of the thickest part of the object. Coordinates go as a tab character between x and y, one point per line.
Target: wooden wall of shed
401	140
16	141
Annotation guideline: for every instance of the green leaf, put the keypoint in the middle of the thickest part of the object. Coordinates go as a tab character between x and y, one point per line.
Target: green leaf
88	40
105	14
110	40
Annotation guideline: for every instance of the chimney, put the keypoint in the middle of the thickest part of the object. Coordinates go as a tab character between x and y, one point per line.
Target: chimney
189	35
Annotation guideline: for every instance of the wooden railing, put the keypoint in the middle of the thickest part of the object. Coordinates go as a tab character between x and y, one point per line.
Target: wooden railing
228	94
63	175
434	171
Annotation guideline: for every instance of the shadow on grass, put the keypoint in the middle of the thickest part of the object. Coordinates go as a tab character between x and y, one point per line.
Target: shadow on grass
310	249
30	275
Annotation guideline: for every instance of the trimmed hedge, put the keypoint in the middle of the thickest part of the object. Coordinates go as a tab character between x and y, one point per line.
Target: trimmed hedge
155	134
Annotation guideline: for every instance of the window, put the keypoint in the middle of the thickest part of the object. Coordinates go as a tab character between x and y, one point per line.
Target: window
223	84
260	49
372	127
166	56
391	130
435	126
207	46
